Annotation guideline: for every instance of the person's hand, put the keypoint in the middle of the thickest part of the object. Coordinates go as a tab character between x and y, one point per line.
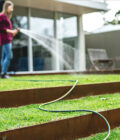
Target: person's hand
18	29
15	31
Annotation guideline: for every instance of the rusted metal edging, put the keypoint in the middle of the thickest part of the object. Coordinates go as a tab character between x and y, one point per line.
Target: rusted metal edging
66	129
40	95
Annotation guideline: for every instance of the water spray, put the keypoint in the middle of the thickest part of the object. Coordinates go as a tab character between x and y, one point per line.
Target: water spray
46	43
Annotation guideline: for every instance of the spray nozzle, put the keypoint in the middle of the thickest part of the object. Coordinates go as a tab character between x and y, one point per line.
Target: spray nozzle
17	30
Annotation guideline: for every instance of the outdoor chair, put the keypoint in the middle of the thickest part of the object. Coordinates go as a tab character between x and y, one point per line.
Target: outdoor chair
99	60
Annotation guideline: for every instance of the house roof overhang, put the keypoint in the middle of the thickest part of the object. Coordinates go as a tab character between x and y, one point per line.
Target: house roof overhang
77	7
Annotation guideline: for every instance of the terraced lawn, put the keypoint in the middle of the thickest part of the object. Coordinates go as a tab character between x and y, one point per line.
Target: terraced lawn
11	118
24	83
30	115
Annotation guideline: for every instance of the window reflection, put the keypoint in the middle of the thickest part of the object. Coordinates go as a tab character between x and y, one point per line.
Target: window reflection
42	22
67	33
20	41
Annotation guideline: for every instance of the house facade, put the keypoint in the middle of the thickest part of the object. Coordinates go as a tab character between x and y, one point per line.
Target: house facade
58	19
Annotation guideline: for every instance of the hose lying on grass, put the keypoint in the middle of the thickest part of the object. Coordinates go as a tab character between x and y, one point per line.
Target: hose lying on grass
79	110
66	94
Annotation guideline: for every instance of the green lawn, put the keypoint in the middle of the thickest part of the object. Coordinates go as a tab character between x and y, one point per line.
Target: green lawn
30	115
12	84
11	118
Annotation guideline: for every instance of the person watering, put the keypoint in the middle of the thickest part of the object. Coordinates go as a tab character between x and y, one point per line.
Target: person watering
6	36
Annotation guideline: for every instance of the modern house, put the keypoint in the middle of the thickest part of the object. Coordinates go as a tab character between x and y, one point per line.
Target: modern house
59	19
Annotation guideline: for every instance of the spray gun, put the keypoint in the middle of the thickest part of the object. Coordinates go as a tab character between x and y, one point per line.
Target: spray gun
17	30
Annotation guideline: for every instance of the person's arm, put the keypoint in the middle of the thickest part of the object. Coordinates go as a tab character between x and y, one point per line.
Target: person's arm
13	32
4	28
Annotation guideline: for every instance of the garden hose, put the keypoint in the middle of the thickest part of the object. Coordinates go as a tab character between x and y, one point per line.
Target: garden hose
66	94
80	110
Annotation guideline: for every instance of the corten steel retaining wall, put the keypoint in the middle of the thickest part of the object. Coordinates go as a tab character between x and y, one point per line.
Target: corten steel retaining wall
40	95
66	129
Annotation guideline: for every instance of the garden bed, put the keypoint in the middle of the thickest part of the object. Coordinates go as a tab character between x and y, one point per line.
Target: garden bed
40	95
17	83
12	118
71	128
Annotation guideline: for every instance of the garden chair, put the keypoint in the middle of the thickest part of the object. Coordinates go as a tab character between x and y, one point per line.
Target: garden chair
99	60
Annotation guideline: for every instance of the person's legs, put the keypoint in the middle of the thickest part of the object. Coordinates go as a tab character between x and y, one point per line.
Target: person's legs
6	57
2	59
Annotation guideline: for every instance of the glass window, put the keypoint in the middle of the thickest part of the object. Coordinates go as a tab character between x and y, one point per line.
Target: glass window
66	25
67	33
42	22
20	41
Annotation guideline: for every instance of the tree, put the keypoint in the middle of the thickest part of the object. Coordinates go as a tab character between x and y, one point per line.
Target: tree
115	21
